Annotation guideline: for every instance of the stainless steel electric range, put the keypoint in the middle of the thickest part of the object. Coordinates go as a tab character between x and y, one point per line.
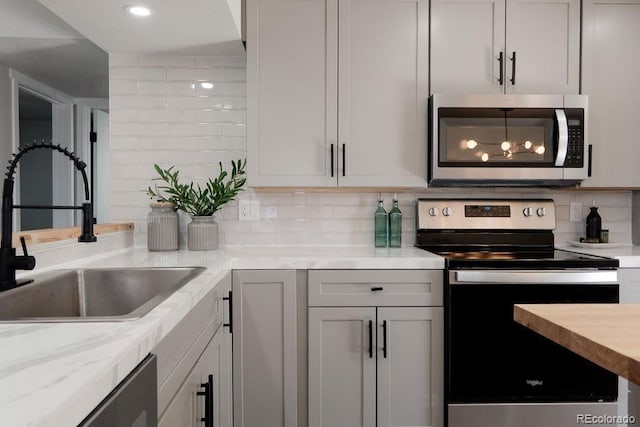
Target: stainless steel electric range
499	373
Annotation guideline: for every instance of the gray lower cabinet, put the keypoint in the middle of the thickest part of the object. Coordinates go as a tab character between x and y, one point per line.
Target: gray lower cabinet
269	348
194	366
203	386
378	365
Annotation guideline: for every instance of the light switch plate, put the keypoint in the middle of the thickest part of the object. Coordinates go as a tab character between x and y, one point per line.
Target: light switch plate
575	212
248	210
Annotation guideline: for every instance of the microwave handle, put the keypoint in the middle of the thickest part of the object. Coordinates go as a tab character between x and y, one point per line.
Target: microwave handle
563	137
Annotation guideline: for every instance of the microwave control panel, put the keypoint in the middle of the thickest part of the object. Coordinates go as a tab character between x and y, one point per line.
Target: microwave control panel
575	151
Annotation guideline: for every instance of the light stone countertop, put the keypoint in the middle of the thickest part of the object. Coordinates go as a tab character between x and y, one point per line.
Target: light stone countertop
54	374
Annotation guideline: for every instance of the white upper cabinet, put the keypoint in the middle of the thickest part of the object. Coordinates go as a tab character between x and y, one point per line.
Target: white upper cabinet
467	37
544	36
611	58
382	100
505	46
337	93
291	92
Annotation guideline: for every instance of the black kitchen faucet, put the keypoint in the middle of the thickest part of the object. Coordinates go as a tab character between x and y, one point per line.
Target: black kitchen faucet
9	261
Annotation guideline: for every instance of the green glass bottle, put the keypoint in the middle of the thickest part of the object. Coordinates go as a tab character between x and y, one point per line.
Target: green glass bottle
380	220
395	225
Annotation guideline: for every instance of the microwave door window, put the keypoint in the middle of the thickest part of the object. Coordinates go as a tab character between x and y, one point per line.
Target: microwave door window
496	138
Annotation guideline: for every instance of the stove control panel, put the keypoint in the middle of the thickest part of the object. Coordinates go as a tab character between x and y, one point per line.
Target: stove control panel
481	214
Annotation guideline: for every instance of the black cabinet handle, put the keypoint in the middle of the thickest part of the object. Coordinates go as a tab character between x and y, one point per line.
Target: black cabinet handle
230	324
343	160
513	68
370	339
590	157
384	339
501	62
208	402
377	289
331	160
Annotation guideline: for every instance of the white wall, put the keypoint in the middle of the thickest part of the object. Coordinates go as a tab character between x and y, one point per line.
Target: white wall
157	116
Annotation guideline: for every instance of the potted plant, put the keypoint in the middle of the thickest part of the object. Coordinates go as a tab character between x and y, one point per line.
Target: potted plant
200	202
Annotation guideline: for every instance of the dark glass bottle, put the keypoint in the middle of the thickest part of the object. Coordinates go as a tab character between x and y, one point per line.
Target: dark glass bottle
594	224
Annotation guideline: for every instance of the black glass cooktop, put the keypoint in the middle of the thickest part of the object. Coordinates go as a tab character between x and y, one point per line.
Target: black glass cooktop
509	249
521	258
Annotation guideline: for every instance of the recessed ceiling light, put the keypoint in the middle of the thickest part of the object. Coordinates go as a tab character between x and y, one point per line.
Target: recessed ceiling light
138	10
206	85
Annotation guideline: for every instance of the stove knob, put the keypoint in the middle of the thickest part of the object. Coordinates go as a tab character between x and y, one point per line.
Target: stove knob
433	211
527	212
447	211
541	211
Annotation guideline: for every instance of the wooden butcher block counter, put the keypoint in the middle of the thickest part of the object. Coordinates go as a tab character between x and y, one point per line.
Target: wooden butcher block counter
606	334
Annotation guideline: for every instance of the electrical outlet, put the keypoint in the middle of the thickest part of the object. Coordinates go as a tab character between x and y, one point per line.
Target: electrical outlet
575	212
248	210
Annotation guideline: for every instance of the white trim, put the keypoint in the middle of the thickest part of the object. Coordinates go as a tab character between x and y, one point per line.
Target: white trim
15	143
38	88
62	133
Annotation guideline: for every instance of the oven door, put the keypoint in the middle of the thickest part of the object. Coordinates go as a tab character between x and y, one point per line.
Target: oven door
492	359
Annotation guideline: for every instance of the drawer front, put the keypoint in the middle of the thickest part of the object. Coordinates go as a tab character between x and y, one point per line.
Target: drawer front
375	287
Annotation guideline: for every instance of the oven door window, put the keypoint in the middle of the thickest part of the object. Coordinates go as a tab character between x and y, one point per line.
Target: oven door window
494	359
486	137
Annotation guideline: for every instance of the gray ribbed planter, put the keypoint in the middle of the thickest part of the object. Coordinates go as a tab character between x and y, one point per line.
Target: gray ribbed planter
202	233
163	233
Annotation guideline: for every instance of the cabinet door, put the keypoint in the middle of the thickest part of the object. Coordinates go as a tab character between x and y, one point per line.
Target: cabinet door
291	92
187	407
265	348
467	37
342	369
225	374
611	58
410	367
383	92
225	381
545	35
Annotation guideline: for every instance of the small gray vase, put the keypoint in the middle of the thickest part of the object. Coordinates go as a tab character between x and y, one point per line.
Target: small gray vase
162	227
202	233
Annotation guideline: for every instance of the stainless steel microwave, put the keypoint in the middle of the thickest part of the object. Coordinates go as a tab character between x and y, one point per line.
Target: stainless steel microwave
508	140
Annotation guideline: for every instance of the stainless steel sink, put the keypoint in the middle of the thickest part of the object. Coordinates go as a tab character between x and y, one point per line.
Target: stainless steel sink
93	295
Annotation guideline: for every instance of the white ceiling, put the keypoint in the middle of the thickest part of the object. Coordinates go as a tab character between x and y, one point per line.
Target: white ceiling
175	27
65	49
39	44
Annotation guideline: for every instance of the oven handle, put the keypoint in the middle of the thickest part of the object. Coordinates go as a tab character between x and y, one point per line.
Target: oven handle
535	276
563	137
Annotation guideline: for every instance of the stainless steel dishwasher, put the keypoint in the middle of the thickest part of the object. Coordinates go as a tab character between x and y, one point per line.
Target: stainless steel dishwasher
133	403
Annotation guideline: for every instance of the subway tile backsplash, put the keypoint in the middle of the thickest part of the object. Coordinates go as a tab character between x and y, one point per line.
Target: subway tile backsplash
160	113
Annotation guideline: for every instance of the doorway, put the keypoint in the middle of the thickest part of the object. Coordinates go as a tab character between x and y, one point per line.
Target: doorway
36	168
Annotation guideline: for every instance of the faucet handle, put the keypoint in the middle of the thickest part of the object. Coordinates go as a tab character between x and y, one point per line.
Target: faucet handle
25	262
24	246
